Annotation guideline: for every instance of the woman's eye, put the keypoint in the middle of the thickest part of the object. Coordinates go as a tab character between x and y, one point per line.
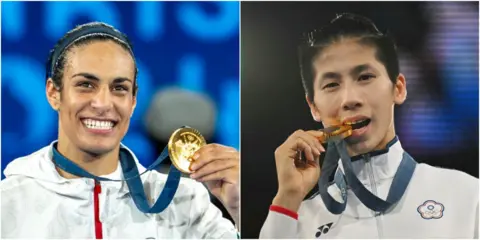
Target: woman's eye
366	77
85	85
330	85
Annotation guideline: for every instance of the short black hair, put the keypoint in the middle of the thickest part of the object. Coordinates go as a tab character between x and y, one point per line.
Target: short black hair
56	67
346	25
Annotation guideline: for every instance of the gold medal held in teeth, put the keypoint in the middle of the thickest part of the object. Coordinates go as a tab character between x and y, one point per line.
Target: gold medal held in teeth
343	131
183	143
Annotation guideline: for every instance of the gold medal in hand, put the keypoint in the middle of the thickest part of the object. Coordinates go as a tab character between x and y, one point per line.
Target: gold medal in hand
183	143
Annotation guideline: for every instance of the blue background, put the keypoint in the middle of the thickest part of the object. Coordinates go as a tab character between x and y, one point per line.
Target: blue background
192	45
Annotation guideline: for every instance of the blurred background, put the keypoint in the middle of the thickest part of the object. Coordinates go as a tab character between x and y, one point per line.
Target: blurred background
438	51
187	54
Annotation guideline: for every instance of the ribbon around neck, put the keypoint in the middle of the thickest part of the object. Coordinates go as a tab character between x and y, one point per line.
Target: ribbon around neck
131	176
337	150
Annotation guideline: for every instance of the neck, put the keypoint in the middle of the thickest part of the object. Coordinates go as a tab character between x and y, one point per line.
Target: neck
388	137
97	165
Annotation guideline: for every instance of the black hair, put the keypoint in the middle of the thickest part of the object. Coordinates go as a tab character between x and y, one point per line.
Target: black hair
346	25
83	35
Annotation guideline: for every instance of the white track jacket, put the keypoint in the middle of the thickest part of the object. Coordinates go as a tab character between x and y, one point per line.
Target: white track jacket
38	203
438	203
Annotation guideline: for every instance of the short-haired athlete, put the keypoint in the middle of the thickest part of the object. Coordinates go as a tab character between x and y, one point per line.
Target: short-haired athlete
368	186
92	84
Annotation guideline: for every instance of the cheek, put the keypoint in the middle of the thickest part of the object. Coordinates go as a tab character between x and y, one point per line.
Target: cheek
69	105
125	108
124	111
382	97
382	107
327	108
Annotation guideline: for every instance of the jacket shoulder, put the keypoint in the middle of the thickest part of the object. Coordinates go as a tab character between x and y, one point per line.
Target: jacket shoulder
14	183
445	175
16	171
448	180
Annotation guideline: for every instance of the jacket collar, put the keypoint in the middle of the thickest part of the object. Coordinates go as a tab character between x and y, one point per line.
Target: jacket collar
121	188
379	164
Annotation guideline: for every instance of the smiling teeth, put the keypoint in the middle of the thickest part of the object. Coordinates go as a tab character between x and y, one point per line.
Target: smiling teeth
358	121
94	124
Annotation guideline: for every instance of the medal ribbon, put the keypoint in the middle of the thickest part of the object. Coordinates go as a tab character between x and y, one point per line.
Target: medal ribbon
131	176
337	150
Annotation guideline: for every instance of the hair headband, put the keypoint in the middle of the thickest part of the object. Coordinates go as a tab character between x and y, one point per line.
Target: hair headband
95	30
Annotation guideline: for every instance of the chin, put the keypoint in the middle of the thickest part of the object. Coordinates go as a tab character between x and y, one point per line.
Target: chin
360	145
98	148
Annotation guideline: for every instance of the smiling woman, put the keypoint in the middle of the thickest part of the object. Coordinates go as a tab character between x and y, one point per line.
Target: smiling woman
92	84
93	90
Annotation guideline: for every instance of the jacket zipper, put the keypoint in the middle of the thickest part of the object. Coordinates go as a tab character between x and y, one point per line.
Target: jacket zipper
378	215
96	206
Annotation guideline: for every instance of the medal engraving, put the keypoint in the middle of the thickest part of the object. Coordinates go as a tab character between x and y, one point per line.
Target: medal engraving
183	143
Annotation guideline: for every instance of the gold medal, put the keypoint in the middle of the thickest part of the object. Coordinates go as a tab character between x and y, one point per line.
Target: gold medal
339	131
183	143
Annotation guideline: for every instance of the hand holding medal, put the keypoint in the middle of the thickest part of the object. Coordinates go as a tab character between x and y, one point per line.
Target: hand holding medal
297	161
214	164
339	131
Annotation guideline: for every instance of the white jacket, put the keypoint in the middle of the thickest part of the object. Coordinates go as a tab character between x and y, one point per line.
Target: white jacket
438	203
38	203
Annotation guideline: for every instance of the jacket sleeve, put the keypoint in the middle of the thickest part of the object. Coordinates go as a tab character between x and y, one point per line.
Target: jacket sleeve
279	225
206	220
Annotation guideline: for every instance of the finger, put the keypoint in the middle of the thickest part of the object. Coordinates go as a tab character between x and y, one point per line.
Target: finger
300	143
315	163
311	137
214	166
294	136
312	142
306	164
317	135
228	175
306	148
206	157
213	147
